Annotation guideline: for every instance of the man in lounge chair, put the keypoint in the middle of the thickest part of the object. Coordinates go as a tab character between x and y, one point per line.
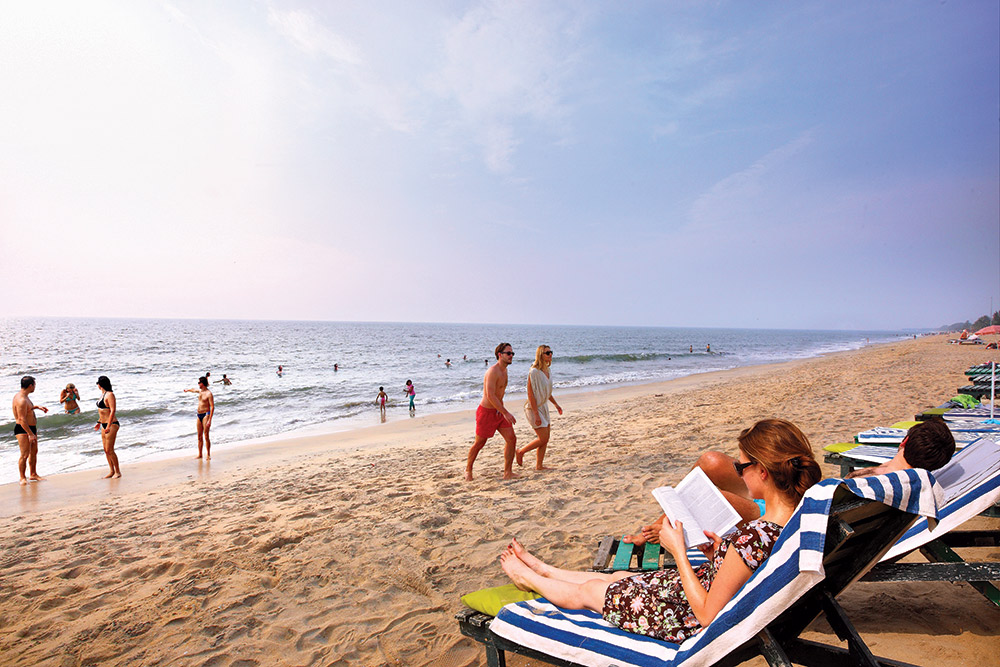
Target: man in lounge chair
927	445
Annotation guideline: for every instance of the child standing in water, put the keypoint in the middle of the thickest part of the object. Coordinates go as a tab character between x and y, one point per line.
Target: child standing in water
380	399
410	391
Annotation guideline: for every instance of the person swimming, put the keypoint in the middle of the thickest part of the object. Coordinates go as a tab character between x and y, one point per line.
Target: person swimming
69	397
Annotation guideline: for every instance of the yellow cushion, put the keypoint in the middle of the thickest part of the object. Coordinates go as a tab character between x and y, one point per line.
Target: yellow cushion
491	600
906	425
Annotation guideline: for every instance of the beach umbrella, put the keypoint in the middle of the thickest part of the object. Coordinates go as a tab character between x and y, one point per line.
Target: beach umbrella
986	331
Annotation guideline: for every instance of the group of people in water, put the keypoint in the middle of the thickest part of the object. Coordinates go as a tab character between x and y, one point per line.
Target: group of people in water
26	424
776	464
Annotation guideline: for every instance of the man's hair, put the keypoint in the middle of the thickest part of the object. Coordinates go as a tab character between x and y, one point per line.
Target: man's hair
500	347
929	445
27	381
203	380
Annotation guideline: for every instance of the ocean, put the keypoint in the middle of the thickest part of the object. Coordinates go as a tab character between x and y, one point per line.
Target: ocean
151	362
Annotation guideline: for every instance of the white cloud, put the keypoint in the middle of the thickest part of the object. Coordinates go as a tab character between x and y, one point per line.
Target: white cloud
308	34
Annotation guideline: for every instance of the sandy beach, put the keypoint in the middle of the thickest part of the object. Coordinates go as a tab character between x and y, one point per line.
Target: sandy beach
354	548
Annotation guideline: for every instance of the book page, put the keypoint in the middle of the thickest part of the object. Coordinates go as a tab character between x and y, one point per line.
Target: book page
674	507
707	504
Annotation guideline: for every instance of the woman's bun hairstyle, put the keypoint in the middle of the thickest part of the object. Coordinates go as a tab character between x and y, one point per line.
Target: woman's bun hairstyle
784	451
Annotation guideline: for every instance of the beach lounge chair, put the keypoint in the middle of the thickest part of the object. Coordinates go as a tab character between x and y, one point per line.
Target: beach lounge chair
838	532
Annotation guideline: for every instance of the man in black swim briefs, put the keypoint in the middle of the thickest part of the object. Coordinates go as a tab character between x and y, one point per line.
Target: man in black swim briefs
206	409
26	430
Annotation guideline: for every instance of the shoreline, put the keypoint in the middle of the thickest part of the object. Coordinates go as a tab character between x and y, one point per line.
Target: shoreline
171	468
354	549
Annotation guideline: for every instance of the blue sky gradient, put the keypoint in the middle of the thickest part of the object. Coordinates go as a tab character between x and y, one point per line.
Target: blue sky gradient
787	165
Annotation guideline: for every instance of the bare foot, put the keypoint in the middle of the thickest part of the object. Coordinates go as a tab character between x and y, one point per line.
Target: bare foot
468	475
519	457
118	475
198	457
510	475
36	478
109	475
527	557
24	482
515	569
543	468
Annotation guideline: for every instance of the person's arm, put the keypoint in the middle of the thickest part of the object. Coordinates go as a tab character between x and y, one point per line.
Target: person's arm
553	399
40	407
63	396
732	574
211	409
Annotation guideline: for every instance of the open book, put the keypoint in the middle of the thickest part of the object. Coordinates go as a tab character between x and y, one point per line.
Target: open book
699	505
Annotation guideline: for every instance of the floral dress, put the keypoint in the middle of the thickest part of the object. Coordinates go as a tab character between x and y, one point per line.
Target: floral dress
654	603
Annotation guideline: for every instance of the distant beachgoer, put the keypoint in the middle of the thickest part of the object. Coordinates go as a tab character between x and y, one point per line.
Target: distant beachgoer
486	362
929	445
447	363
492	416
280	371
708	348
224	381
206	410
380	399
208	376
26	430
411	391
107	410
69	397
336	367
465	358
691	349
536	408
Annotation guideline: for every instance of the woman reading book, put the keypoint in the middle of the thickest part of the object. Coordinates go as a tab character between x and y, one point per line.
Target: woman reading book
778	466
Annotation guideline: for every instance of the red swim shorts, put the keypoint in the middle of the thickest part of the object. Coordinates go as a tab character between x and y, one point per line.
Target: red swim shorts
488	421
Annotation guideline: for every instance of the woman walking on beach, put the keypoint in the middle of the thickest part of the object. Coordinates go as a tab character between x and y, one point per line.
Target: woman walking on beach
69	397
107	424
411	391
536	409
777	464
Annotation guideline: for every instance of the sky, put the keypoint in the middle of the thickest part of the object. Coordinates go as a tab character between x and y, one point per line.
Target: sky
668	163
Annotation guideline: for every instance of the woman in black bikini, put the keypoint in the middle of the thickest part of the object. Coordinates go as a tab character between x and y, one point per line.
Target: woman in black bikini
107	408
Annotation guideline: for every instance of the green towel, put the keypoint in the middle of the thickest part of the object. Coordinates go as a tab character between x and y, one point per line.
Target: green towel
965	401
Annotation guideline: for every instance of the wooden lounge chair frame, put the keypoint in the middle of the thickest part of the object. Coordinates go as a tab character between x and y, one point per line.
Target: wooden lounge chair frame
859	532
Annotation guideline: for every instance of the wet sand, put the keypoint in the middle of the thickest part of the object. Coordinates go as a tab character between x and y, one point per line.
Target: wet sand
354	548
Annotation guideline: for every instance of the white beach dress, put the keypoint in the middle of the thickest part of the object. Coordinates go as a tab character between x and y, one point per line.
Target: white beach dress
541	388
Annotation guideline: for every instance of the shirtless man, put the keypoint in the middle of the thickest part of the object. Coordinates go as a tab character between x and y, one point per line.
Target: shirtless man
206	409
26	430
492	416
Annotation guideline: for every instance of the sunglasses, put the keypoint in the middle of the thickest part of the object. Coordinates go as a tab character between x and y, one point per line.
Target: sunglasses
548	354
510	353
740	467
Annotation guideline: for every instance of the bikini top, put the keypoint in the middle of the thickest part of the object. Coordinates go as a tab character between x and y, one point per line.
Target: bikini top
101	404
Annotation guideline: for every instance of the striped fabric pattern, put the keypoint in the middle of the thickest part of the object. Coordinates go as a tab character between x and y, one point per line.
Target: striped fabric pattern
795	566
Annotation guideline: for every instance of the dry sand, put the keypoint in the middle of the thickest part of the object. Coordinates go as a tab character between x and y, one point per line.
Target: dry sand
353	549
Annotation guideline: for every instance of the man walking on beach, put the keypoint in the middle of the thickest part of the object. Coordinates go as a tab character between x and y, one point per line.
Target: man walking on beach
26	430
206	409
492	416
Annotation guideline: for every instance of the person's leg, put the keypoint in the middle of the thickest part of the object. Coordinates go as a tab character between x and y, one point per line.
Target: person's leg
109	437
552	572
473	453
201	437
719	468
33	459
534	444
586	595
208	443
22	461
543	441
509	447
